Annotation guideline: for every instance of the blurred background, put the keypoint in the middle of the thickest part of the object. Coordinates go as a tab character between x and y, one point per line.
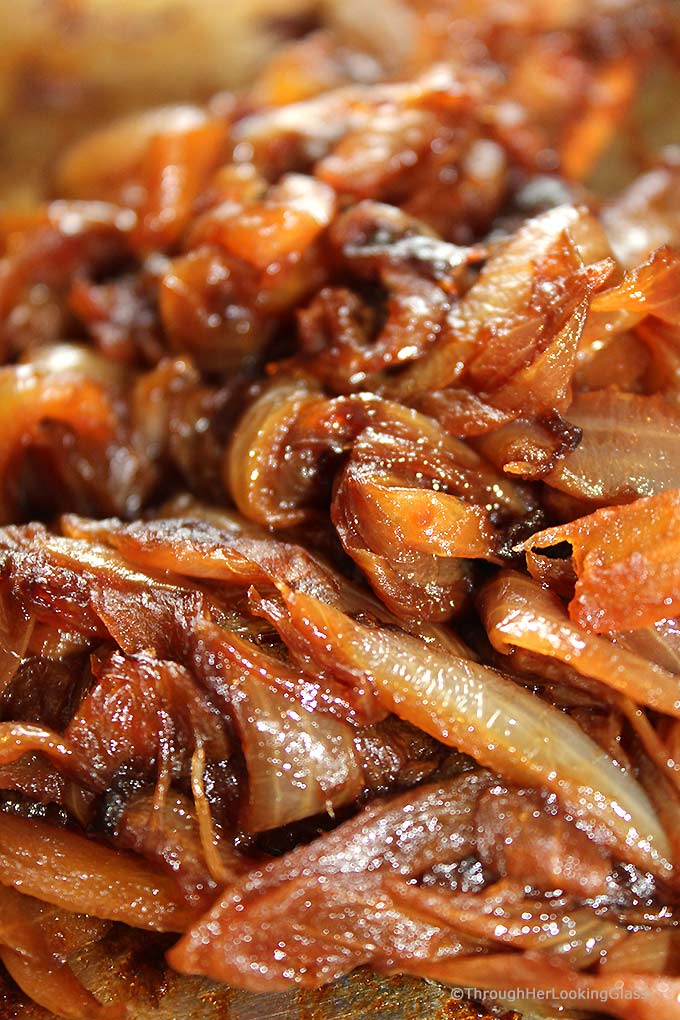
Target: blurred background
67	65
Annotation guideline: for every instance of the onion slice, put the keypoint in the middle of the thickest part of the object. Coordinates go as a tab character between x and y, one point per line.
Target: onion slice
203	550
221	659
659	644
16	628
78	874
630	446
649	289
325	906
626	560
519	613
300	762
578	936
501	725
34	939
51	983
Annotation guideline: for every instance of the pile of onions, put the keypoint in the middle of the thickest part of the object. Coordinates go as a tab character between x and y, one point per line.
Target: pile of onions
340	528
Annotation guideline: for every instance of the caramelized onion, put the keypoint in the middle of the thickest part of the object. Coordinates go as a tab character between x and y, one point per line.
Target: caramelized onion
525	839
168	835
519	613
649	289
102	161
221	659
204	307
203	550
92	590
626	565
364	303
34	939
260	490
530	448
51	983
286	222
32	775
483	713
462	413
144	709
660	643
29	396
173	170
626	448
409	537
16	628
641	952
300	762
339	877
82	875
545	384
493	331
578	937
17	739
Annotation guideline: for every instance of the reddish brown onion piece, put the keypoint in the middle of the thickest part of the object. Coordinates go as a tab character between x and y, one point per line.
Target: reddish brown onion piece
320	904
82	875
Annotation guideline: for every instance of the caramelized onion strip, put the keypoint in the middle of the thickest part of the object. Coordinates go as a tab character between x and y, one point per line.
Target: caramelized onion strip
519	613
484	714
81	875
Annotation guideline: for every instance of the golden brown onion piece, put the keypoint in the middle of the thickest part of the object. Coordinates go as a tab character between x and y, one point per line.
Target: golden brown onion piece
517	329
79	874
410	513
626	563
518	613
34	943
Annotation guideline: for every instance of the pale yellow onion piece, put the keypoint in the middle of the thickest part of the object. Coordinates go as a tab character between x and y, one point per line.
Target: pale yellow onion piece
630	446
300	762
255	472
504	727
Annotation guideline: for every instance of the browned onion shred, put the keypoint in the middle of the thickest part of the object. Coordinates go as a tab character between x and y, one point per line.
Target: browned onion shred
209	840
